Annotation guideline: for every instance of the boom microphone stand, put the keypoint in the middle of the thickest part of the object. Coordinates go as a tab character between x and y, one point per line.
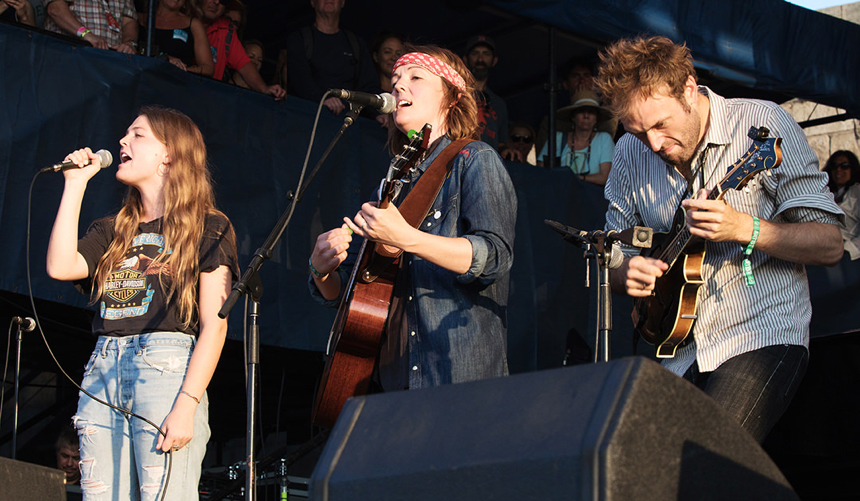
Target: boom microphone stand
250	284
600	245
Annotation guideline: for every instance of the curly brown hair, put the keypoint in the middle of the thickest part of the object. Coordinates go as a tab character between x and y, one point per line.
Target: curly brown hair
633	68
461	119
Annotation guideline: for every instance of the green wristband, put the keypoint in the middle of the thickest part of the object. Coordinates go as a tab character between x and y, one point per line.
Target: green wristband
747	264
314	270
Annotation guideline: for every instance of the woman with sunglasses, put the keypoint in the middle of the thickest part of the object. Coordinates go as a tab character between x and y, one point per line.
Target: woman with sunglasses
521	144
844	171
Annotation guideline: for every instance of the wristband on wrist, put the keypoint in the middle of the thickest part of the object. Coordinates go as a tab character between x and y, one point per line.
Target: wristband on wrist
747	265
82	31
190	395
314	270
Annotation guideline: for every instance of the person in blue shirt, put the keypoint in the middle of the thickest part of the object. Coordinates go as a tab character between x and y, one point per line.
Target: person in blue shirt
584	150
447	322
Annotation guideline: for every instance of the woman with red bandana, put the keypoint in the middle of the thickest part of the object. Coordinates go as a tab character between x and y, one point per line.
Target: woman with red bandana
447	321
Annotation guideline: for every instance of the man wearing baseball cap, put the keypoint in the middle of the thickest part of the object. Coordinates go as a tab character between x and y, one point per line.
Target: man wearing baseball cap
480	57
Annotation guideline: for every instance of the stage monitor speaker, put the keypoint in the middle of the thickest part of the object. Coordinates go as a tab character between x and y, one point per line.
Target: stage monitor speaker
622	430
30	482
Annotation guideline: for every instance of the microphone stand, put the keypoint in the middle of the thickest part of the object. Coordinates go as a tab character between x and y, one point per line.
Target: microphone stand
598	244
250	284
17	381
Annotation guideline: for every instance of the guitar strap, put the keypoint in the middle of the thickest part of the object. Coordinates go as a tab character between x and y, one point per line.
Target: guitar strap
419	200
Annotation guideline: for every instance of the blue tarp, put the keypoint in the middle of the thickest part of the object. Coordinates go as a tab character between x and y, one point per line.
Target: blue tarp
55	97
770	45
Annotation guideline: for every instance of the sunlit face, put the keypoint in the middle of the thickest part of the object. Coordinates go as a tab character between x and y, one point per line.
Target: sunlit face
841	171
420	96
141	154
68	460
212	10
670	129
255	52
388	53
585	118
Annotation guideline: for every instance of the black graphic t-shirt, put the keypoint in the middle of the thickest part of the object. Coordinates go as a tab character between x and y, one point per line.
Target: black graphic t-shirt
133	301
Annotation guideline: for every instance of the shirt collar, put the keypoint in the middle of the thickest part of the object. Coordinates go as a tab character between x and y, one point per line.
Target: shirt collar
718	115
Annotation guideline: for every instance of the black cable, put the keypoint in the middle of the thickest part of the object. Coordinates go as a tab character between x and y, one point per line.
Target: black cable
168	455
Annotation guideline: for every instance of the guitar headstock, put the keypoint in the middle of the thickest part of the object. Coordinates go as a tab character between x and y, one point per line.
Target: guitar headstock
763	155
406	159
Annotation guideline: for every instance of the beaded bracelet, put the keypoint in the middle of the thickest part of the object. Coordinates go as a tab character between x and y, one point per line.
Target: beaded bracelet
190	395
314	270
747	265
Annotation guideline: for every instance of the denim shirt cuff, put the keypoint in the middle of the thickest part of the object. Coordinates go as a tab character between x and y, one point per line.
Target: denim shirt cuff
317	296
480	253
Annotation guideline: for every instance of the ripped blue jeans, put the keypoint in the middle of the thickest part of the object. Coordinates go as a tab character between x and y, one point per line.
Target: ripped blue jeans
119	461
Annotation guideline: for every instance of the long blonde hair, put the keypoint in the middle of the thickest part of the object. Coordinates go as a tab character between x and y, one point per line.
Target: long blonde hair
461	116
188	198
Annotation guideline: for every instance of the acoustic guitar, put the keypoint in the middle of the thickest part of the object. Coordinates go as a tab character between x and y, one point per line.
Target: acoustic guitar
666	318
356	334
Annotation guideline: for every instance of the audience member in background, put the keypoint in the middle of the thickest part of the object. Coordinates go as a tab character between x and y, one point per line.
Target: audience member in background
227	50
255	51
324	56
480	57
235	12
386	48
578	75
521	147
17	11
180	38
105	25
68	455
584	150
844	171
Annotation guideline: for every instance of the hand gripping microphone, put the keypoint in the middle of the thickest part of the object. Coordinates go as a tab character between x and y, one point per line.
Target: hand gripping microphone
384	102
105	159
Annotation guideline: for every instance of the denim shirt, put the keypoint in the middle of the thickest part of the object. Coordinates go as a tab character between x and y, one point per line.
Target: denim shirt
457	324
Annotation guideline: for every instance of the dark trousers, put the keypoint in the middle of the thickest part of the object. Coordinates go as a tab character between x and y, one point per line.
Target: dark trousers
755	387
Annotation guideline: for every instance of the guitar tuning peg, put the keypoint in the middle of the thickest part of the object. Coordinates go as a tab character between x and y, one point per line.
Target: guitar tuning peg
747	190
768	173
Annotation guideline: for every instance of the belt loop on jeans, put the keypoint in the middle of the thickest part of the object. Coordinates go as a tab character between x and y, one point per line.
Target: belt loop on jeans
105	343
136	340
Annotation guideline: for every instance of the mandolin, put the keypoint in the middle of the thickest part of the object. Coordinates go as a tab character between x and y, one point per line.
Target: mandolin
666	318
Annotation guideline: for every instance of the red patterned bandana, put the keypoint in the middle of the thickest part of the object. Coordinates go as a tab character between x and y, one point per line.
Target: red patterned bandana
436	66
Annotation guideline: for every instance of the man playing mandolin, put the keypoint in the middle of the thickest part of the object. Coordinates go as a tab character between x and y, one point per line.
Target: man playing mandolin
447	322
748	344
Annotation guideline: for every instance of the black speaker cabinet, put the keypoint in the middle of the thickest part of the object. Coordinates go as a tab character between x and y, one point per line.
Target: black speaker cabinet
623	430
29	482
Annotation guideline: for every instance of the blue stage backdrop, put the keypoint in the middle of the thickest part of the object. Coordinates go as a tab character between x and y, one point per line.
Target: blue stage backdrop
56	97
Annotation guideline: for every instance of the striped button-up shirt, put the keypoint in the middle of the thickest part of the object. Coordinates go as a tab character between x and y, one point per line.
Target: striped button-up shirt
733	318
